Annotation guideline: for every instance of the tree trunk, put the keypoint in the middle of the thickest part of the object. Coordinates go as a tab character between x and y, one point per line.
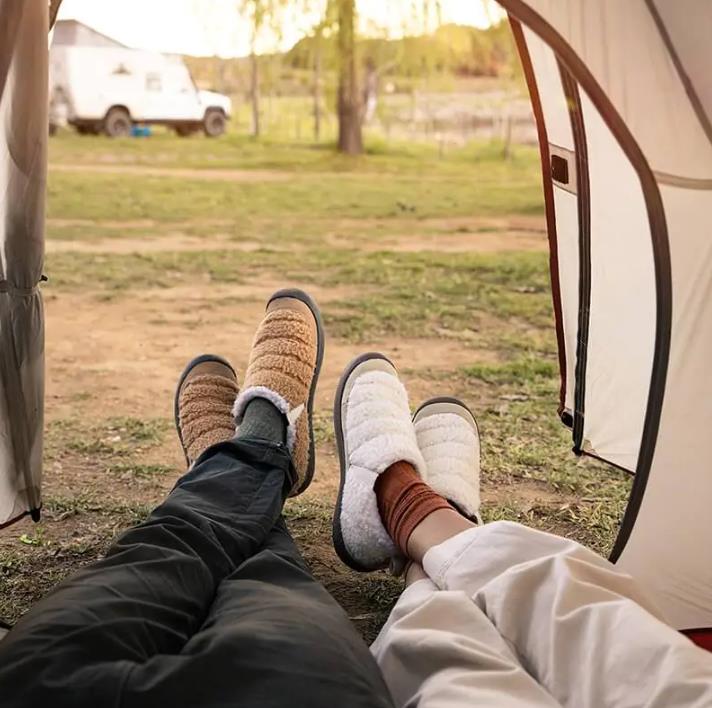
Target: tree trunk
317	85
349	98
255	94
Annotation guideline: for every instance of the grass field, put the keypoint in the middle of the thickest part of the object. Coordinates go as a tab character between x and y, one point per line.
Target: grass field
159	249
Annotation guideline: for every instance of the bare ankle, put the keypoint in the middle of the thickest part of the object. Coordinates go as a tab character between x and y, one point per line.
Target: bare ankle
414	573
435	529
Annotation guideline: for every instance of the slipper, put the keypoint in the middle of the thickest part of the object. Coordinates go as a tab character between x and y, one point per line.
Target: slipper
373	431
202	406
284	369
449	440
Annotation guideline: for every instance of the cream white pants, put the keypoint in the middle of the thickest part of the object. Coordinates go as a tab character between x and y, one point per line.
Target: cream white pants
516	617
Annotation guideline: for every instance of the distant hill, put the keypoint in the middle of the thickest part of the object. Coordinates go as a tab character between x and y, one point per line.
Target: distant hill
454	50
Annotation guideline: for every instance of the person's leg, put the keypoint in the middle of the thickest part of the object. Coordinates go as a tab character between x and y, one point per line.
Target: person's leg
437	649
154	588
80	645
413	573
273	625
583	630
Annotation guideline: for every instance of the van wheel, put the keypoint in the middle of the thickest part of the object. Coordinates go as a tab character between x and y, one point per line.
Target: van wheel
117	123
214	123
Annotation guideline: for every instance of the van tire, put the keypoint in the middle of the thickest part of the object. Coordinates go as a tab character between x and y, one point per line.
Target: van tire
214	123
118	123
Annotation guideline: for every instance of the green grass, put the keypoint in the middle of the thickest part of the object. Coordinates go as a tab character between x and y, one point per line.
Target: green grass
519	372
390	180
29	570
129	470
502	190
114	437
240	152
407	294
335	224
524	441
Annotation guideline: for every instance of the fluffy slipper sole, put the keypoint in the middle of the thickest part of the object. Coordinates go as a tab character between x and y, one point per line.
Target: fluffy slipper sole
296	294
342	393
179	388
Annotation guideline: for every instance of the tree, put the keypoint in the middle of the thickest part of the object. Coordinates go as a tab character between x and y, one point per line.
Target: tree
263	14
350	104
348	96
313	49
318	65
318	38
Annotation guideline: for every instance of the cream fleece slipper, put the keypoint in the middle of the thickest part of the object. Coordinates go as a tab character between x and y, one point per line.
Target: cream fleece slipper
449	440
203	402
373	430
284	369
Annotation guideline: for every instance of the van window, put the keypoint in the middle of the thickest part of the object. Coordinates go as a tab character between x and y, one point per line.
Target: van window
153	82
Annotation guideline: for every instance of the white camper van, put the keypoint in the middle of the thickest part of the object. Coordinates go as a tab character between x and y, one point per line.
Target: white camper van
103	87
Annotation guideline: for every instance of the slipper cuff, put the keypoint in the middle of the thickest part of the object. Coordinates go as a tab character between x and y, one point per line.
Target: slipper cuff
278	401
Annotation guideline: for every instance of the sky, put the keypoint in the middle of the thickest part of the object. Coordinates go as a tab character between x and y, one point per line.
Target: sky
209	27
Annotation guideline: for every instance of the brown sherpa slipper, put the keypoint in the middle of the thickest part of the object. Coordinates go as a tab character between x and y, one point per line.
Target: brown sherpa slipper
284	367
204	398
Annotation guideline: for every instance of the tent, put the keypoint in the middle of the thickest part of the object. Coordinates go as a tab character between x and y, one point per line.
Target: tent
623	100
622	94
23	167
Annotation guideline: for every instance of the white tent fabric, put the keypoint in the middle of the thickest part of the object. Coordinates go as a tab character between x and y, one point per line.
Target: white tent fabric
23	166
623	98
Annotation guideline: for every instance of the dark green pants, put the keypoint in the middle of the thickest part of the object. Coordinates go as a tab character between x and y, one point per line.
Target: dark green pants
208	603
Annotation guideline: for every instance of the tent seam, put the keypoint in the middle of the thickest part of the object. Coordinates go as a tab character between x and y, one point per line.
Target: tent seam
695	101
583	201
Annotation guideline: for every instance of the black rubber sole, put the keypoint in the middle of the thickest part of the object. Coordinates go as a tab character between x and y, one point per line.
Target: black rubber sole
191	365
448	399
336	532
297	294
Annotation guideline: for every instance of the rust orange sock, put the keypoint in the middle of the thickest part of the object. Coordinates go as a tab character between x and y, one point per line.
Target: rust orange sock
404	500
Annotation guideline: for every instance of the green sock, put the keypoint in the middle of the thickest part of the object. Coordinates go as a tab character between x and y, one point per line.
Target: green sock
263	421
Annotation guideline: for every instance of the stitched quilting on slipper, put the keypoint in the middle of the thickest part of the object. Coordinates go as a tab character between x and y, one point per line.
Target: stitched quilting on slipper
284	368
449	441
203	404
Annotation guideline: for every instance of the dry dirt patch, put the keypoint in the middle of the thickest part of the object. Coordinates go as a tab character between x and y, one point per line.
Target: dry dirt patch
209	173
448	235
122	357
174	243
